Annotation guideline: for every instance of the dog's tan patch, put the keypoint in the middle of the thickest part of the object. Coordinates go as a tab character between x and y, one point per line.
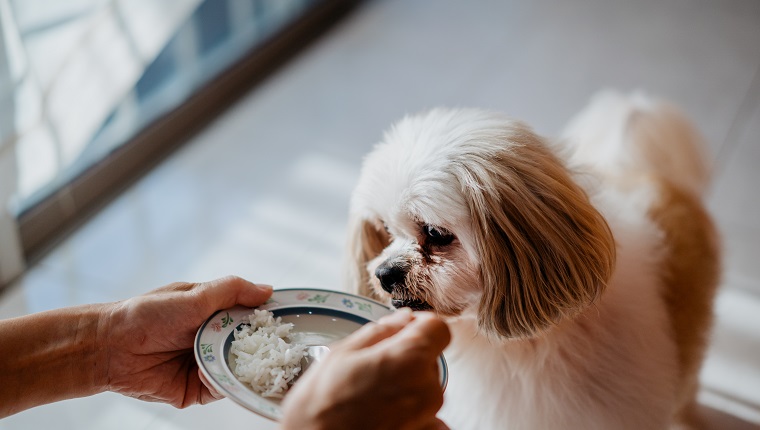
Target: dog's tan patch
690	272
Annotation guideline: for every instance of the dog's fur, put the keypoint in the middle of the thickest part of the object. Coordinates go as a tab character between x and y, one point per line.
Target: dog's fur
577	275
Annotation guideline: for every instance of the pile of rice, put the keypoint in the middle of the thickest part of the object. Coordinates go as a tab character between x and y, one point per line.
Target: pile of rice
265	358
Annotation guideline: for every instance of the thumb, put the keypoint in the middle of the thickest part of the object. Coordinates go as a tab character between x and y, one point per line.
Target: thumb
230	291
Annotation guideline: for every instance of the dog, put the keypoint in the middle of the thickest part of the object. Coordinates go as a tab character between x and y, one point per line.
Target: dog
577	274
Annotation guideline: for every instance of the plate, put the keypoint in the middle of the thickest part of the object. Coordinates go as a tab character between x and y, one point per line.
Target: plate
319	317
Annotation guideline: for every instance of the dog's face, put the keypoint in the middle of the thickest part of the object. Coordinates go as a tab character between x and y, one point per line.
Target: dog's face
428	262
465	209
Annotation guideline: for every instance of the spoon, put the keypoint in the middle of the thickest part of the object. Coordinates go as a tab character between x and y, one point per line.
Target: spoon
314	354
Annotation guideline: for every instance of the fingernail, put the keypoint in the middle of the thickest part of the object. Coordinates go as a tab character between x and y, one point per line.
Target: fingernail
265	287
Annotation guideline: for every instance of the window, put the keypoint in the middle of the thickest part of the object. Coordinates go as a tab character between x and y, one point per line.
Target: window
95	91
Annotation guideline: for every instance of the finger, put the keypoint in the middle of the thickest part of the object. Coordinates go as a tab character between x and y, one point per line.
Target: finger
435	424
426	331
372	333
212	394
368	335
230	291
400	317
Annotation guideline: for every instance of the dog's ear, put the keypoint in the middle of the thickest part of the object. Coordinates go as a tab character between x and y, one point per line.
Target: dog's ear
546	252
366	240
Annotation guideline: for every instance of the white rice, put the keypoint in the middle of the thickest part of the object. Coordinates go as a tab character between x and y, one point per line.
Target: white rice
265	358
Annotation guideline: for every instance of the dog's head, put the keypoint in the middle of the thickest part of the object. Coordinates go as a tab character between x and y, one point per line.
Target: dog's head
467	209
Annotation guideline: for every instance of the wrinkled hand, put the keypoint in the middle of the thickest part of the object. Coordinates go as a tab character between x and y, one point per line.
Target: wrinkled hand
384	376
150	338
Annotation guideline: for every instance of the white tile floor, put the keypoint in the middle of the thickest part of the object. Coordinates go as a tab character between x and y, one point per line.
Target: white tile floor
263	191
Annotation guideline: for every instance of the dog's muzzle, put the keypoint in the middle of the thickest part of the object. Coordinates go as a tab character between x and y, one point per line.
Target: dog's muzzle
392	278
415	305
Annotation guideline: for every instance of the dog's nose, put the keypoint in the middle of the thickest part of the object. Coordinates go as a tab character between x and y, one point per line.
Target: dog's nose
390	275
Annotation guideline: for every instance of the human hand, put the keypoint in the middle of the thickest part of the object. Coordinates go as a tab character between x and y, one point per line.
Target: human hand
383	376
149	339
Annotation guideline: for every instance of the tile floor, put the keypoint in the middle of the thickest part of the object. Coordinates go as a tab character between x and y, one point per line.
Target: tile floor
263	191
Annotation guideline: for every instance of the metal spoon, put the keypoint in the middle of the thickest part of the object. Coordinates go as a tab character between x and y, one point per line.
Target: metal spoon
315	354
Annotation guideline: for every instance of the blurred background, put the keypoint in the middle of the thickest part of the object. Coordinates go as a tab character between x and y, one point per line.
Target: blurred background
145	142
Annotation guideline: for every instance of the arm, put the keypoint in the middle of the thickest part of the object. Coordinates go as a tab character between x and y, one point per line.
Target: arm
141	347
50	356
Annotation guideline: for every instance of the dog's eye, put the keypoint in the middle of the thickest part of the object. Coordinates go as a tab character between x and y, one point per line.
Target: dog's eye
437	236
387	231
384	233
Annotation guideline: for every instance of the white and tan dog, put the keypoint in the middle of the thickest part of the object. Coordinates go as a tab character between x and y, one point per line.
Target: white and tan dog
577	276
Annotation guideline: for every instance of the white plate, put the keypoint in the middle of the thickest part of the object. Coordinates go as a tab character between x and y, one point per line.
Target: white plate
320	317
